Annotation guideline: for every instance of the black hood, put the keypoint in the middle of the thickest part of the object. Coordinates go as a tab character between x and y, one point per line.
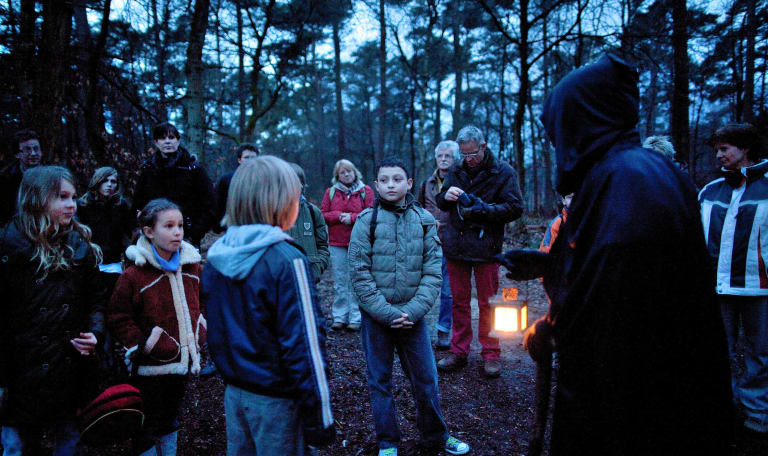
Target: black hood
590	111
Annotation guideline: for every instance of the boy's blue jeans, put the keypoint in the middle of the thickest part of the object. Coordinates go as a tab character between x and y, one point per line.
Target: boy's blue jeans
263	425
445	319
22	441
750	390
418	362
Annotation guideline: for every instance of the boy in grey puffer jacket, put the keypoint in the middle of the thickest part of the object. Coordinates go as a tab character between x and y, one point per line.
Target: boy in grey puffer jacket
395	262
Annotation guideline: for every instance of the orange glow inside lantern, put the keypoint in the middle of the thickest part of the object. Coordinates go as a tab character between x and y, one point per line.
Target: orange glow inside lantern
510	315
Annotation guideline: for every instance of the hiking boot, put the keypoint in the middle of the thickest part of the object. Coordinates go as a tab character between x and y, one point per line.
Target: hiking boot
451	362
443	340
491	368
456	446
337	326
353	327
391	452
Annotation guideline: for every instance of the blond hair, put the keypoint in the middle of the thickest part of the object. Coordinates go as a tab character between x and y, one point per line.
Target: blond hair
39	187
660	144
262	192
346	164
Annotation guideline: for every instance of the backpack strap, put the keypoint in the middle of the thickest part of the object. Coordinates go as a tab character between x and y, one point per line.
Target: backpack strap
372	227
331	192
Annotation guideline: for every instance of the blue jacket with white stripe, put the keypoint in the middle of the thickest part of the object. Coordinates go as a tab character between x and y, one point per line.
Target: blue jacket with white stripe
266	332
734	212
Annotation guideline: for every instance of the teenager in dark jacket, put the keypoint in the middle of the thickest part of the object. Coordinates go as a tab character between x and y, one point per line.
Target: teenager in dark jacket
174	174
482	195
266	331
643	363
28	156
107	214
51	317
245	152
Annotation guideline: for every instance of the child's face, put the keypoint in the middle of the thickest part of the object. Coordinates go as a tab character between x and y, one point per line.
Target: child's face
62	207
167	233
108	187
392	184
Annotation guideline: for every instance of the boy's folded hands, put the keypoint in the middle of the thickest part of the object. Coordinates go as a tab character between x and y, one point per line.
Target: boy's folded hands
401	323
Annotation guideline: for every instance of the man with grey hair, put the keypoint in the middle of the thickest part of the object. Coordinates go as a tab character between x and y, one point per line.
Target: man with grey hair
481	195
445	154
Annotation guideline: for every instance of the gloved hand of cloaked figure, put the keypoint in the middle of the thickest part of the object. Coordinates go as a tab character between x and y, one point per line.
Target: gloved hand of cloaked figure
524	264
538	341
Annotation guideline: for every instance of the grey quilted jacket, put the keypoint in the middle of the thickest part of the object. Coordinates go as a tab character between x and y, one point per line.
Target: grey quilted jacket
400	272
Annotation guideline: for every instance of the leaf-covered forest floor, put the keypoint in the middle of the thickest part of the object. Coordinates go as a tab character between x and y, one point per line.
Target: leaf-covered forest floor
493	416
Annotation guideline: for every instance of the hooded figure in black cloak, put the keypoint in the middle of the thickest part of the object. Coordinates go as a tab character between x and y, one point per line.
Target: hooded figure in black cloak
643	363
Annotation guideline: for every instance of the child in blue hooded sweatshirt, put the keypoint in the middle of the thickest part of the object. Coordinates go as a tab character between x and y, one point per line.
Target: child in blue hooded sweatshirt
266	333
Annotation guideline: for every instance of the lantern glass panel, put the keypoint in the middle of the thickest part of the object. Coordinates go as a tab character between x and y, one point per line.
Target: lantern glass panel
505	319
524	317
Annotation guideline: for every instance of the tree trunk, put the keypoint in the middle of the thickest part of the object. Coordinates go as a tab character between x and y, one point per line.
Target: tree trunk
52	78
242	91
749	70
194	102
680	85
522	96
438	134
382	80
337	86
653	89
458	63
502	103
26	52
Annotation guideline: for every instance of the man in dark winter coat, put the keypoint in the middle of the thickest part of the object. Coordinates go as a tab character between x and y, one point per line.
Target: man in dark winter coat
482	195
643	364
245	152
28	156
174	174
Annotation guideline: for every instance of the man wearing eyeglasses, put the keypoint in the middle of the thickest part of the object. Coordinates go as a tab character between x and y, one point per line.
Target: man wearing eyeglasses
28	156
481	195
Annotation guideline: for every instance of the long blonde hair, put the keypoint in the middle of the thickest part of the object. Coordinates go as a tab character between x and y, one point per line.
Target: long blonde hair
39	187
262	191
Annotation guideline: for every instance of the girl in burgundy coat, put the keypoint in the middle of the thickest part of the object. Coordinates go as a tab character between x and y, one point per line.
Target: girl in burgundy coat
342	202
155	312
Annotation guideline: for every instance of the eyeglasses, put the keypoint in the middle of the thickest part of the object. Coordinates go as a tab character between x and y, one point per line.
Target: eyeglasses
473	154
29	149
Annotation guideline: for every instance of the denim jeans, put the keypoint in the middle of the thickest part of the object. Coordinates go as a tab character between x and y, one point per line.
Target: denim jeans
270	424
25	440
345	307
445	319
418	362
487	283
750	390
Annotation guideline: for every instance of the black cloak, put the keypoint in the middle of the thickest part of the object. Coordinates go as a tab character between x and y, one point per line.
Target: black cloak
643	362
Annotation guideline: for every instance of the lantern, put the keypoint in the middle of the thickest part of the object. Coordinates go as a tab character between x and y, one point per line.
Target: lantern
509	314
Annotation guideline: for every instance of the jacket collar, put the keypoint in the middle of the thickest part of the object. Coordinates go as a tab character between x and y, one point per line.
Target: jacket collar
182	159
751	173
141	254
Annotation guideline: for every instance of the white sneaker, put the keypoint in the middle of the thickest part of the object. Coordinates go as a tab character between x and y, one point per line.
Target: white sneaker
455	446
387	451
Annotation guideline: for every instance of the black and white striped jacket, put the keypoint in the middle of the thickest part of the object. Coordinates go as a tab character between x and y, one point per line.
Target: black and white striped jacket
734	212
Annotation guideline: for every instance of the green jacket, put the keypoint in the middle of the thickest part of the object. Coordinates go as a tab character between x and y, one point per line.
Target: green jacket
401	271
311	233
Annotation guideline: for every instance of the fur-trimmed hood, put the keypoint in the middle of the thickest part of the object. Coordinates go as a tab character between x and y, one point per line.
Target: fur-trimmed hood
141	253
